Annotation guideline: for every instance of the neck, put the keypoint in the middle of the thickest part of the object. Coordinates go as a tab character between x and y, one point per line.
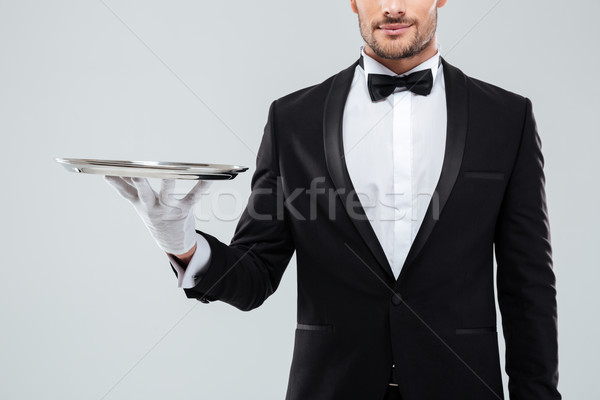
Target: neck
401	65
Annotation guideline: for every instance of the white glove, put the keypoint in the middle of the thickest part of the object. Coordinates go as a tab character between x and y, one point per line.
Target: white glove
169	220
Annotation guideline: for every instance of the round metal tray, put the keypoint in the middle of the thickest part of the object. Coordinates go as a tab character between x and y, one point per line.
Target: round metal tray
152	169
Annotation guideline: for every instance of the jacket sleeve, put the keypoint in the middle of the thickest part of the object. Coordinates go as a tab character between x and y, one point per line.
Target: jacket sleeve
249	269
525	277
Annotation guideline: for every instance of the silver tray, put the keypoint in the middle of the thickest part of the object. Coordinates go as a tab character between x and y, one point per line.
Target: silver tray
152	169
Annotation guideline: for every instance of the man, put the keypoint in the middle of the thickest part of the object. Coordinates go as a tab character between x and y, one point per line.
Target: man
393	192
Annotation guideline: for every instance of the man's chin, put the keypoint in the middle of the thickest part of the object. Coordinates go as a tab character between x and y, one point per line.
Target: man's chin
391	52
393	44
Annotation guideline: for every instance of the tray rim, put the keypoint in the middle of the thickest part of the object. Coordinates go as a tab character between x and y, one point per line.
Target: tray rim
179	167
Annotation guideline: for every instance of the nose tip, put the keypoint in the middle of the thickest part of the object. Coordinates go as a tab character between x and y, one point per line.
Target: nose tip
394	8
391	12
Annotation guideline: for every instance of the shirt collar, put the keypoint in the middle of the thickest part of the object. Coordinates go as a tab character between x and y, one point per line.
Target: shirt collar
371	66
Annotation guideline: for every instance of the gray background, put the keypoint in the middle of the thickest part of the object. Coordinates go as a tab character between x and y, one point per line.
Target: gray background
89	307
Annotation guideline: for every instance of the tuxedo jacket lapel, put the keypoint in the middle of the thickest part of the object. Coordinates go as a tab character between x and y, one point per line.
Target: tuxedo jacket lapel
457	109
336	164
457	103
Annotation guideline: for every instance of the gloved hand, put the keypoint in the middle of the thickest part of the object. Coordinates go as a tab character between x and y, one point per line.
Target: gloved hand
169	220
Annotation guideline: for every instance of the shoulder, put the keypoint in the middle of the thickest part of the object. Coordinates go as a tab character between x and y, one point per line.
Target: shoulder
489	96
304	99
490	103
309	101
479	87
489	92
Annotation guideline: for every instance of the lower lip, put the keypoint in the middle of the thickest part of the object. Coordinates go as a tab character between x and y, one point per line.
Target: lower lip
392	32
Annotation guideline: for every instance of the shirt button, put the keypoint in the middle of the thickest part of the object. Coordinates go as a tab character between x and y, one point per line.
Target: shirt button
396	299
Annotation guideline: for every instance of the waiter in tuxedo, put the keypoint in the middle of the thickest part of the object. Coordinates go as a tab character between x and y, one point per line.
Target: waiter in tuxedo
395	181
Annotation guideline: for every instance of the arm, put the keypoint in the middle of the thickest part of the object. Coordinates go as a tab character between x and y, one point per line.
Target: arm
526	281
249	269
183	260
191	266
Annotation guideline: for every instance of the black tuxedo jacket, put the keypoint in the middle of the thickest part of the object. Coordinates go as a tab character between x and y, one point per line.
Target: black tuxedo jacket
437	321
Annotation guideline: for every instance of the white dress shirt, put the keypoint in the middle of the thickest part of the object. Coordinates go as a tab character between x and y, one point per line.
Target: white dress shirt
394	151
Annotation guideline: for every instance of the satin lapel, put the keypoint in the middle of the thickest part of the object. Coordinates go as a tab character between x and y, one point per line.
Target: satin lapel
336	164
456	133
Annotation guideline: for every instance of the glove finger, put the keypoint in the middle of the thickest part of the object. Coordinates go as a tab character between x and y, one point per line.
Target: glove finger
167	188
194	194
128	180
122	187
146	194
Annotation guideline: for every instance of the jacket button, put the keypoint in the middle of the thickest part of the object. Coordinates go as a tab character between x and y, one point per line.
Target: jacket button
396	299
203	300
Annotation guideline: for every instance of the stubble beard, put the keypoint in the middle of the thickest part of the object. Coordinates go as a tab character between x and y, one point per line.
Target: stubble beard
393	50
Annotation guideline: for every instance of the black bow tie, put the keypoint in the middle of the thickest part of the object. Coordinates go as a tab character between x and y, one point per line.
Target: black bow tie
381	86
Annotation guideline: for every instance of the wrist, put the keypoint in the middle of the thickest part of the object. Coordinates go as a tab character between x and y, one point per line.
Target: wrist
185	258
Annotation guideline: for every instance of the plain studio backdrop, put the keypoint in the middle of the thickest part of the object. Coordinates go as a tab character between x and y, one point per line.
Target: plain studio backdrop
89	307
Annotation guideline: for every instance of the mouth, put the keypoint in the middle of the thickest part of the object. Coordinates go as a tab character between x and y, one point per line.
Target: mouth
394	29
